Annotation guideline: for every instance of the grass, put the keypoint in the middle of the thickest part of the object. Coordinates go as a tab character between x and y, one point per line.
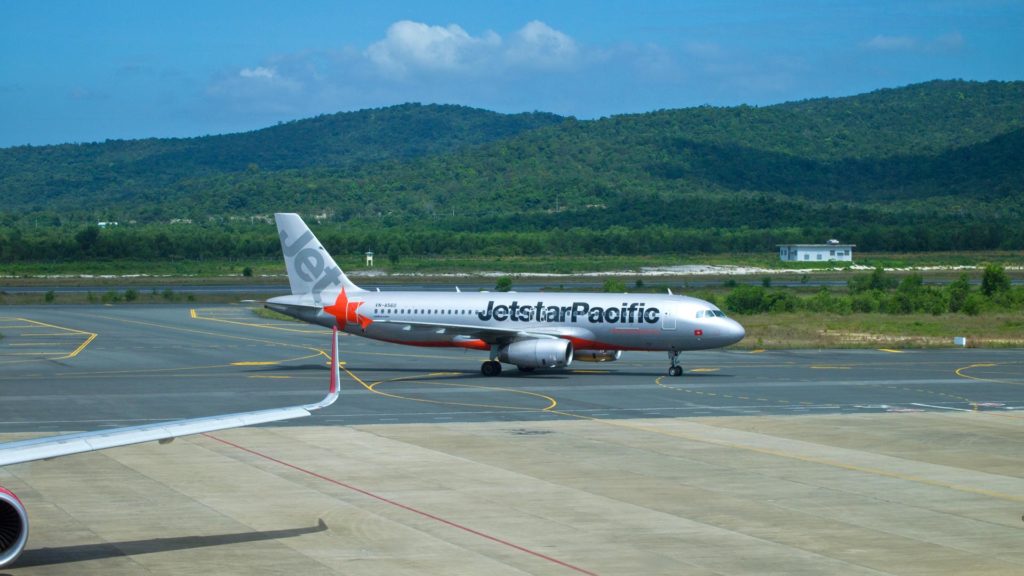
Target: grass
268	314
810	330
192	271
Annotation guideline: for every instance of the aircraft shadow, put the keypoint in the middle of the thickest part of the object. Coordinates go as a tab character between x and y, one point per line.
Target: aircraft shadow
85	552
513	373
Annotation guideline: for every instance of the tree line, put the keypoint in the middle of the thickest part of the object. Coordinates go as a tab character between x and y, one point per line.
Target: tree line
880	293
238	242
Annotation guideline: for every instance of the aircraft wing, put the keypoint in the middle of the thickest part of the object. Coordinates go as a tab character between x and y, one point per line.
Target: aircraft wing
66	444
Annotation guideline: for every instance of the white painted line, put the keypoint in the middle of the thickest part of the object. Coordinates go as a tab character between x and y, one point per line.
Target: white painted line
940	407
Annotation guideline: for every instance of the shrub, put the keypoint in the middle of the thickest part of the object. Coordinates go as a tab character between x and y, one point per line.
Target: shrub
994	280
747	300
613	285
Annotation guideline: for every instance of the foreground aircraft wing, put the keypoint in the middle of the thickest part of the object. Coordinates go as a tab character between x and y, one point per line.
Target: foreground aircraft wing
65	444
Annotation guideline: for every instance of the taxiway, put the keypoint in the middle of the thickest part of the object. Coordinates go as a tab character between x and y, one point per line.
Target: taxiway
795	462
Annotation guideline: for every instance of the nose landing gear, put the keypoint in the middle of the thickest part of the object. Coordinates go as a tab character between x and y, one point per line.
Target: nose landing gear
675	369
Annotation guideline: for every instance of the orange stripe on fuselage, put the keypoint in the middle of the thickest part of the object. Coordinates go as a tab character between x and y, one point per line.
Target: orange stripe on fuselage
476	344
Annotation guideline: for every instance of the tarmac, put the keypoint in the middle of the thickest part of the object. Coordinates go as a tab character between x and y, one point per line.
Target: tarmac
763	462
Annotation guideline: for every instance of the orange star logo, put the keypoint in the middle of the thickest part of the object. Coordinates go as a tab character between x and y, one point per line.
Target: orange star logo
347	311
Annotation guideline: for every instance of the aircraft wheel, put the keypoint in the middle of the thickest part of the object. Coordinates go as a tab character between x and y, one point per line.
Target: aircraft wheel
490	368
675	371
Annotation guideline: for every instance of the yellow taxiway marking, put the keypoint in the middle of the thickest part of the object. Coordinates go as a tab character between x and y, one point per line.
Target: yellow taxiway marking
419	380
758	351
719	442
195	314
90	336
704	370
271	377
890	350
830	367
960	372
256	363
552	403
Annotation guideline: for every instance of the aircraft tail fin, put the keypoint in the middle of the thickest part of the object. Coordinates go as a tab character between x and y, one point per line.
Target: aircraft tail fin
311	270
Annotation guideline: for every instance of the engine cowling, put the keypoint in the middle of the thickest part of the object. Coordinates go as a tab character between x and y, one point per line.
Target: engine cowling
597	355
13	527
538	353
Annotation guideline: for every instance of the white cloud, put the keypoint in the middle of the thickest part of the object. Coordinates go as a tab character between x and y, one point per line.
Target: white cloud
416	46
951	41
258	72
891	43
533	67
944	43
539	45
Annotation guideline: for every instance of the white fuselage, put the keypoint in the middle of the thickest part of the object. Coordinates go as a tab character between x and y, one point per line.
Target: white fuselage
590	321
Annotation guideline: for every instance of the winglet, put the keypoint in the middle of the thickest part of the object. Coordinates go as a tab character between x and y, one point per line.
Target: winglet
333	390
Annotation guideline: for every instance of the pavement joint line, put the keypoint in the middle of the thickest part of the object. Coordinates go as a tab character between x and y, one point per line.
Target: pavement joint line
750	448
402	506
802	458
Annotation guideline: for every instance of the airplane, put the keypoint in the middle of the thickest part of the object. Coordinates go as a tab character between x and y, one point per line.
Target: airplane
13	516
528	330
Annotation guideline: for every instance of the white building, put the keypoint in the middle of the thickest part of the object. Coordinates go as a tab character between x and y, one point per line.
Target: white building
829	252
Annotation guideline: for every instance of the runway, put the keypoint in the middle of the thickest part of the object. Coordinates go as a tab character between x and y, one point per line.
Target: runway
795	462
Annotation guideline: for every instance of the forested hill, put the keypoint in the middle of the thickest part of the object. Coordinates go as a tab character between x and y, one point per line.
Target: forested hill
938	165
342	141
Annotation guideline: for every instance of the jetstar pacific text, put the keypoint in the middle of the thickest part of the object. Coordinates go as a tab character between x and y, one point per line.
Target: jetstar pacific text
628	313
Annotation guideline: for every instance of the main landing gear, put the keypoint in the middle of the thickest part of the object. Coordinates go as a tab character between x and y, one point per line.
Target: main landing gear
675	369
490	368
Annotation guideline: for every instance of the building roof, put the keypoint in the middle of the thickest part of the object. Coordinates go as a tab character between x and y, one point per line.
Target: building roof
815	245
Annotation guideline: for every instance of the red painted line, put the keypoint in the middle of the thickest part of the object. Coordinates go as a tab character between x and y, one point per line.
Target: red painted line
405	507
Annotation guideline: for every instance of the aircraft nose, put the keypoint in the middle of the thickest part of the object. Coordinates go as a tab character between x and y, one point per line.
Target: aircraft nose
734	331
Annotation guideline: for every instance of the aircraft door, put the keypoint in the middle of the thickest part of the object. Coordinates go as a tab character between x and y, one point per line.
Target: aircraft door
668	321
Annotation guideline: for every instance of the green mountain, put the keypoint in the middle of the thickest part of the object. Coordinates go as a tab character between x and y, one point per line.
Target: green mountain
938	165
113	176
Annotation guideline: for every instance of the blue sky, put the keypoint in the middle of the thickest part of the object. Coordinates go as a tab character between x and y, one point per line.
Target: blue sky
76	71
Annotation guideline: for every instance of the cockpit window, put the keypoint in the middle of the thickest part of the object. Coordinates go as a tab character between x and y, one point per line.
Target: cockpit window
710	313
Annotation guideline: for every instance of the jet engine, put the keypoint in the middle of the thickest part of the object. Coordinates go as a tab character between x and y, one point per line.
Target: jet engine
538	353
13	527
597	355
